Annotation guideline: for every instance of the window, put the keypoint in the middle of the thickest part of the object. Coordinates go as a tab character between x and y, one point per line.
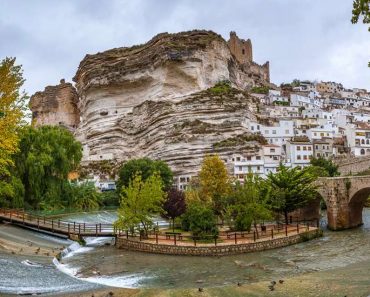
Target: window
314	134
298	157
309	148
322	134
252	127
304	148
258	157
258	127
258	167
249	158
237	158
240	168
243	51
266	131
272	150
275	157
362	152
298	148
273	131
182	179
316	147
286	131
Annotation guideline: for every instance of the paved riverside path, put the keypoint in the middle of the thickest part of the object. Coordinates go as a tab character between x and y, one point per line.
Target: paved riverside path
72	230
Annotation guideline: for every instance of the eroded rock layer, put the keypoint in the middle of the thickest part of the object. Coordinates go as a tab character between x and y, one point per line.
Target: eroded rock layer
158	100
56	105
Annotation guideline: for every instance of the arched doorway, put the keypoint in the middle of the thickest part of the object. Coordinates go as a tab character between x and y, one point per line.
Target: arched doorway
356	206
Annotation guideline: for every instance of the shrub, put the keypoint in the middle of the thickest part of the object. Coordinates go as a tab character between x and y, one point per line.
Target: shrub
200	220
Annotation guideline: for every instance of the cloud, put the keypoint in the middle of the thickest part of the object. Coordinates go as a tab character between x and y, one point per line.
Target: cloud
306	39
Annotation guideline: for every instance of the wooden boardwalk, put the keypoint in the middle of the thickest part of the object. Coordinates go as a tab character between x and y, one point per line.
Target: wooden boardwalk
72	230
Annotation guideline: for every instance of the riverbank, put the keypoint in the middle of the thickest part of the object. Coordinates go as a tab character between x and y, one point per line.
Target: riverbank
350	281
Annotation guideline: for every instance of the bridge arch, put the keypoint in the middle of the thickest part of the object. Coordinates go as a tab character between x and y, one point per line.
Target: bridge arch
345	198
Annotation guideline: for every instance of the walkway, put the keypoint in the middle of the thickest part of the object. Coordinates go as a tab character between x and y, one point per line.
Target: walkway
73	230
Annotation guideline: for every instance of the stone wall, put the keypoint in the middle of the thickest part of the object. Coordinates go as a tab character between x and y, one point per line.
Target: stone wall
353	165
219	250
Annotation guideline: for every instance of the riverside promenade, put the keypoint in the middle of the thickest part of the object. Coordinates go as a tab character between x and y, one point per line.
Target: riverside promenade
226	243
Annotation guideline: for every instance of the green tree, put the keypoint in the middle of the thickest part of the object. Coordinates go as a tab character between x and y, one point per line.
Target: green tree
146	168
291	188
46	156
249	203
140	200
214	183
12	107
200	220
85	196
328	165
361	8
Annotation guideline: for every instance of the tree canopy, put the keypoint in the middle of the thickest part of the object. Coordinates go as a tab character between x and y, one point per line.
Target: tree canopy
248	203
12	106
214	183
146	168
46	155
140	200
174	206
361	8
291	188
330	169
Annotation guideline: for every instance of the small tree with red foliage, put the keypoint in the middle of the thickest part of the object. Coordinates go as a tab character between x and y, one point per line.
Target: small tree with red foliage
174	206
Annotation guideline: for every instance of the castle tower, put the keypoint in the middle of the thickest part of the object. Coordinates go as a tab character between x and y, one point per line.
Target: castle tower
240	48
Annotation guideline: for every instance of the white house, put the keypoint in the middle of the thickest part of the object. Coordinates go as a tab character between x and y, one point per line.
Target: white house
299	153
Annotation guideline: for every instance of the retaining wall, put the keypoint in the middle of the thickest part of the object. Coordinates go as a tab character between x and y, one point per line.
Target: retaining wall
219	250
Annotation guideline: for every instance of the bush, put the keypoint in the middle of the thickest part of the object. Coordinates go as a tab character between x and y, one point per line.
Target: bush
200	220
260	90
109	198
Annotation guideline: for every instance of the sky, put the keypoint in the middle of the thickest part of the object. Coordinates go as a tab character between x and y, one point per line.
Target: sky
304	39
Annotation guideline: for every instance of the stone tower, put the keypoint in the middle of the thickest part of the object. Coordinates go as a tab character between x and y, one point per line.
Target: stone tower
240	48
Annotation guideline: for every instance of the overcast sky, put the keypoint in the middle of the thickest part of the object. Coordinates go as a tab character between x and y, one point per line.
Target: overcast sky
305	39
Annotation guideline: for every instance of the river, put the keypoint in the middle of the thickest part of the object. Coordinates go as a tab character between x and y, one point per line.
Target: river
99	263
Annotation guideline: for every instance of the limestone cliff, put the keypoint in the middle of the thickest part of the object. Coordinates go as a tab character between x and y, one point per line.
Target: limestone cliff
56	105
158	100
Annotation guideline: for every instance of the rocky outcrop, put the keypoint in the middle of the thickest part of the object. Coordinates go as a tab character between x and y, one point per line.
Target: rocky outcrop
175	98
56	105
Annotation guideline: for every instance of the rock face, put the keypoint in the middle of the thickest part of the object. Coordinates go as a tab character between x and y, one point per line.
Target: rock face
159	100
56	105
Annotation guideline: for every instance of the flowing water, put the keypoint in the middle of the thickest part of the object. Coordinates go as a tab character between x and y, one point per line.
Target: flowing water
100	263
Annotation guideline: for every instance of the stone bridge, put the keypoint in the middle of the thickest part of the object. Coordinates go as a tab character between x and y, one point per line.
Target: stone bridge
345	198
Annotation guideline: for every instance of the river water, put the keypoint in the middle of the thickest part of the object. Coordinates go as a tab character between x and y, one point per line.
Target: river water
99	263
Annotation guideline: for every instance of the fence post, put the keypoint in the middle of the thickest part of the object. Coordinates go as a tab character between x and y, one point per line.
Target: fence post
68	229
52	225
10	216
317	223
96	229
100	227
38	223
195	241
59	223
79	228
174	238
23	218
308	226
272	233
286	230
126	234
236	241
44	220
297	227
156	237
215	240
74	226
84	227
254	236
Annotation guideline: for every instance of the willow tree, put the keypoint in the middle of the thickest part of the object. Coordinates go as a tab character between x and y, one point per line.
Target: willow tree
12	107
46	155
291	188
